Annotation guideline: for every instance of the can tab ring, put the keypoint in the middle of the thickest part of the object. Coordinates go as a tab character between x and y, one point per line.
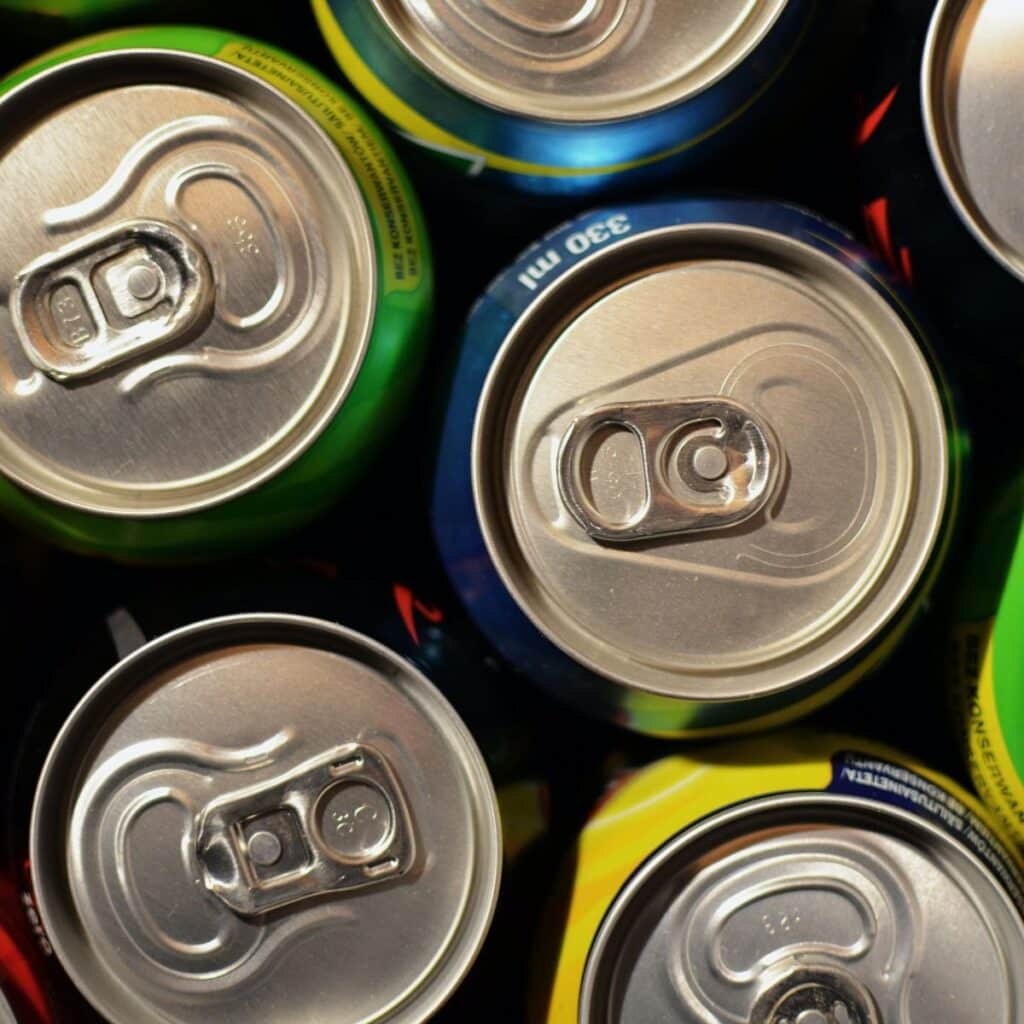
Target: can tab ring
335	824
815	995
111	296
708	464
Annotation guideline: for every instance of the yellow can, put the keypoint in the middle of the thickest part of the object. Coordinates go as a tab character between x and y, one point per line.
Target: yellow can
788	878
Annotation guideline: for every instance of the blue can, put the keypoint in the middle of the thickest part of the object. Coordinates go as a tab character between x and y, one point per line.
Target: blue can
568	98
698	467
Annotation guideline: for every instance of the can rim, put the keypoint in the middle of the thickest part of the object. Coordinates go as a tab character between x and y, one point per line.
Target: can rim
487	423
310	422
47	823
431	58
940	147
783	803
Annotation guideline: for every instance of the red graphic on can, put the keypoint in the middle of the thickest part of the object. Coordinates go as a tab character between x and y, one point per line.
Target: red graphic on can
870	124
408	604
20	968
876	220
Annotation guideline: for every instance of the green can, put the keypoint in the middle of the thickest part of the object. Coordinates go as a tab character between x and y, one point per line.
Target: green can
988	676
220	293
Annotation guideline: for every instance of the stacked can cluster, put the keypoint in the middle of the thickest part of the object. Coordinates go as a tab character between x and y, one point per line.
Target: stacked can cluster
692	467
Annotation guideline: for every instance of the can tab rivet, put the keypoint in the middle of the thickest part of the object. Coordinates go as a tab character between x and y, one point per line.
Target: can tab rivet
808	995
265	848
707	464
111	296
334	824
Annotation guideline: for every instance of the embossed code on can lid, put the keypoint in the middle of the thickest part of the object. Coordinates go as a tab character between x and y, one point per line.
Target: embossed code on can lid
711	463
265	818
808	910
973	94
581	60
190	283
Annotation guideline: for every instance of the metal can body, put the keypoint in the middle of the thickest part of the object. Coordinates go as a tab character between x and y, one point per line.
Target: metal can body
936	148
646	615
318	789
346	238
432	75
988	690
418	622
734	877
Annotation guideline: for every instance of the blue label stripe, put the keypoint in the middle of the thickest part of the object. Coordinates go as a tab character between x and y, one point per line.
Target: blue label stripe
870	778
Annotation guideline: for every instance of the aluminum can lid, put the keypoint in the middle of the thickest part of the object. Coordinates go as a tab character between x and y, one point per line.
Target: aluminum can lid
580	60
810	909
972	88
265	818
711	462
193	282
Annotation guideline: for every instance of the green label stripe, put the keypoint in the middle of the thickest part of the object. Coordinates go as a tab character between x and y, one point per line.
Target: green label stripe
1008	655
1008	677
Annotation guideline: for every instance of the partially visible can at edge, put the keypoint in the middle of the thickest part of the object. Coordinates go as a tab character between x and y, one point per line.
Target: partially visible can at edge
789	879
698	469
218	307
938	147
987	674
244	791
565	99
29	989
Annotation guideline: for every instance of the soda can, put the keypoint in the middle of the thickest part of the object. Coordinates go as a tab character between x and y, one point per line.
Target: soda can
789	879
415	619
937	147
518	732
698	468
216	310
988	683
26	986
243	791
563	99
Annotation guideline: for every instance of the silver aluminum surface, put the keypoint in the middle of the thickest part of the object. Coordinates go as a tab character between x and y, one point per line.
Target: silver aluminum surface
822	361
808	909
187	282
580	60
265	818
6	1013
972	88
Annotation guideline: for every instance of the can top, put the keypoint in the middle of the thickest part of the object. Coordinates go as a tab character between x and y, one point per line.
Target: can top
192	282
265	818
580	60
710	462
808	908
972	87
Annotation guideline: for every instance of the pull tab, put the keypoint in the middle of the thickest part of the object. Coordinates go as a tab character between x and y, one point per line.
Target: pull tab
333	825
815	995
707	463
111	296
